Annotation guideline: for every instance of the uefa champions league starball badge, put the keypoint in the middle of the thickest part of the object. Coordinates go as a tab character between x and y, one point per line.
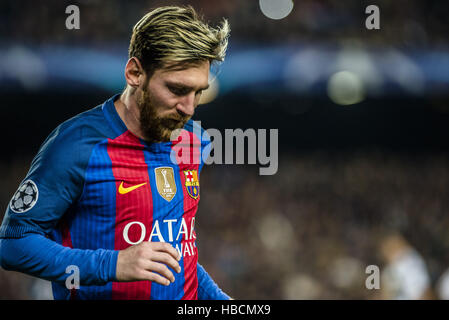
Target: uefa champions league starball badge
25	197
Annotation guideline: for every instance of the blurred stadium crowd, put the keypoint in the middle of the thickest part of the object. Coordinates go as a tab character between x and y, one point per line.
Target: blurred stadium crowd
311	230
410	23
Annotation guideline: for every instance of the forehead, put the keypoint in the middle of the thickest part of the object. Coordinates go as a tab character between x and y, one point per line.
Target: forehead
193	75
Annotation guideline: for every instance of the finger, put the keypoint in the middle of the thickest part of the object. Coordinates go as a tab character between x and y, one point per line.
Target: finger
166	247
166	259
154	277
161	269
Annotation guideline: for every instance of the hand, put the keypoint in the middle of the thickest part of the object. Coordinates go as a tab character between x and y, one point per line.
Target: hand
148	261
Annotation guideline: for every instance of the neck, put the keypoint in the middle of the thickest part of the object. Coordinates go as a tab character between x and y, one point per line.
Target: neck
128	111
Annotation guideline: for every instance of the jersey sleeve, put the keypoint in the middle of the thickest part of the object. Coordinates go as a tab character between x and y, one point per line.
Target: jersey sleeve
52	185
207	288
41	257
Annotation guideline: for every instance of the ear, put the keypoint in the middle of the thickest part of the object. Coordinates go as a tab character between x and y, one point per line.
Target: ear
134	73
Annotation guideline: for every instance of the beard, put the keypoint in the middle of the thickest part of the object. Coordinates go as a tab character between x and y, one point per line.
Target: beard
156	128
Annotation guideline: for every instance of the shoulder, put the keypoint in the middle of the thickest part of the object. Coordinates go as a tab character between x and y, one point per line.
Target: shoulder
198	132
200	139
69	145
83	127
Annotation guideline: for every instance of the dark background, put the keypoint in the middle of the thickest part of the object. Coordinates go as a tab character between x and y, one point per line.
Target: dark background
357	185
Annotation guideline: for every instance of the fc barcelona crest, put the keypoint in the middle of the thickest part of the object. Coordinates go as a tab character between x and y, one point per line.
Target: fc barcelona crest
192	183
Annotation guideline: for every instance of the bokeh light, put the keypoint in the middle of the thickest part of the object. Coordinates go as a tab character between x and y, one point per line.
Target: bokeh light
211	93
345	88
276	9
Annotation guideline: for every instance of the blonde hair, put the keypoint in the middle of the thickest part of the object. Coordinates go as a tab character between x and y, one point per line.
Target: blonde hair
173	37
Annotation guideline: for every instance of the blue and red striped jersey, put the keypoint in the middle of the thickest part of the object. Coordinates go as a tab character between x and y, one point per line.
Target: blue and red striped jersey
93	189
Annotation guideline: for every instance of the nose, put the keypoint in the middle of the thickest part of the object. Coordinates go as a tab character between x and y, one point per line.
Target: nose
186	106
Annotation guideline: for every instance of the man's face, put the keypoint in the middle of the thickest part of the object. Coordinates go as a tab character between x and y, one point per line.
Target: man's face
169	100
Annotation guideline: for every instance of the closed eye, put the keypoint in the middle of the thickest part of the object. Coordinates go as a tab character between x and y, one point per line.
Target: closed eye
181	90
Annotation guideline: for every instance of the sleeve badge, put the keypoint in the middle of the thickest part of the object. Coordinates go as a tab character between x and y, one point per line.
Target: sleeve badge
25	197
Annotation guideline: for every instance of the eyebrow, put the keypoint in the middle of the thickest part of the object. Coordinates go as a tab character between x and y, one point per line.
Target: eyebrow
181	85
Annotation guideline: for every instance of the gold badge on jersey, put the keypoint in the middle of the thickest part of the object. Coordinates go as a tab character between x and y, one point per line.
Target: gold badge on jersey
165	182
